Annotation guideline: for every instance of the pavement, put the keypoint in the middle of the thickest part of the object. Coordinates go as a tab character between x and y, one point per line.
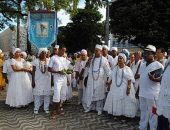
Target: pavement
73	119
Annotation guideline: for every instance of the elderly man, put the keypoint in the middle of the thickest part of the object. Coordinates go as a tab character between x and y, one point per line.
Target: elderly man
149	84
57	66
95	91
80	65
114	52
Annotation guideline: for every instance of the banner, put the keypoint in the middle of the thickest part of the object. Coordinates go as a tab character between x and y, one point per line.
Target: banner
42	28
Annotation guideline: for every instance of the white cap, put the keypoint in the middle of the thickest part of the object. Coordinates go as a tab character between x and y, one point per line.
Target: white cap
56	46
83	51
42	50
150	48
123	56
114	49
15	50
106	47
98	47
0	51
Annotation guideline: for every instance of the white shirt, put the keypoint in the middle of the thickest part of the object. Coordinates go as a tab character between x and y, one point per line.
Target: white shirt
149	89
111	61
7	67
58	63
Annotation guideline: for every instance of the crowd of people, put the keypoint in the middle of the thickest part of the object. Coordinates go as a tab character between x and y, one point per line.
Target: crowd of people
115	81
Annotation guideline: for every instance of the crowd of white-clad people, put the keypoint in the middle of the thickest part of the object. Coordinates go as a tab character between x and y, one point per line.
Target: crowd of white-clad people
115	81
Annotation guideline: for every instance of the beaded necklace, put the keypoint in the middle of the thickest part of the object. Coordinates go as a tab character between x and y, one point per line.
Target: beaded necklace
43	66
98	70
118	85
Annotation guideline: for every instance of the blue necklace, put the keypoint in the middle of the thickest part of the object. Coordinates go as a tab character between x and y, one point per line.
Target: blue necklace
118	85
98	70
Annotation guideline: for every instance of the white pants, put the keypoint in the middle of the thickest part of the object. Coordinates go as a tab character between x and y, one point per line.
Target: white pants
146	114
97	105
60	89
38	102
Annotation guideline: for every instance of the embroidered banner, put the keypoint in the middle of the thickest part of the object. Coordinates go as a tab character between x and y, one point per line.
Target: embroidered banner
42	28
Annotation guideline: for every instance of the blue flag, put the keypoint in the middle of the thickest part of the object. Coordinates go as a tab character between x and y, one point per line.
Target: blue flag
42	28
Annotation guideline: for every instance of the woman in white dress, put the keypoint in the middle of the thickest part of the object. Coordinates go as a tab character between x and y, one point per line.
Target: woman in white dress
19	91
121	99
41	81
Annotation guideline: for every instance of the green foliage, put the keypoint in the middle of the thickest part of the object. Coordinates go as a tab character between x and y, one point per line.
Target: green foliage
83	32
149	20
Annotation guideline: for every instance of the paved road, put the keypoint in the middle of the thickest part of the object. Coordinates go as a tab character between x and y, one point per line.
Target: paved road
74	119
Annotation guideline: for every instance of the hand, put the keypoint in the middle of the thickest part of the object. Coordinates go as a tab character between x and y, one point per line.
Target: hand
60	72
33	84
151	77
6	80
128	91
137	76
68	83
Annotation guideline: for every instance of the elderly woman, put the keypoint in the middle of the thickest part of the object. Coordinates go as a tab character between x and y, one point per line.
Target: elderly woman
41	81
121	97
19	90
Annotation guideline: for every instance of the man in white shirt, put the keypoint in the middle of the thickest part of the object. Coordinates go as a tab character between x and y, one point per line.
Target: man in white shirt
80	65
149	84
58	64
114	52
95	91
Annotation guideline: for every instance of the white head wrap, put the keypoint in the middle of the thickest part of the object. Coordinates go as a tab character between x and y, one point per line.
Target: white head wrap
15	50
98	47
42	50
83	51
24	54
106	47
114	49
56	46
123	56
0	51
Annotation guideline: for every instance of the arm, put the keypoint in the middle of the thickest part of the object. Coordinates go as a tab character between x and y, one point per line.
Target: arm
33	76
128	87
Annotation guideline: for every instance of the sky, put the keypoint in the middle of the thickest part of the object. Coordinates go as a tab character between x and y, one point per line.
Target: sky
64	17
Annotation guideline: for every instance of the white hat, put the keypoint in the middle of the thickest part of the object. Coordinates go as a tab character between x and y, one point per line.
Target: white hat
24	54
15	50
106	47
150	48
114	49
0	51
83	51
123	56
42	50
56	46
98	47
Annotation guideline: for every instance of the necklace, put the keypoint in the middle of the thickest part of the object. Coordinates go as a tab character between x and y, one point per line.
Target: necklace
43	66
98	70
121	81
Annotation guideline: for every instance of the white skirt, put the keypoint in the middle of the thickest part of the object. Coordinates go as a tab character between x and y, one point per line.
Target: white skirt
19	91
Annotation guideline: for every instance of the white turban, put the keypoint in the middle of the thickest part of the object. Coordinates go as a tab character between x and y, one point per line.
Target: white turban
42	50
106	47
98	47
15	50
83	51
114	49
24	54
56	46
0	51
123	56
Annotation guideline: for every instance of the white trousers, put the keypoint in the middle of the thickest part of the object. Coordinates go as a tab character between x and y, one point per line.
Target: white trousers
38	102
97	105
146	114
60	89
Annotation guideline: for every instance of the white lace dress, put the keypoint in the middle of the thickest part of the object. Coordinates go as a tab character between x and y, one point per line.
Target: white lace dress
19	91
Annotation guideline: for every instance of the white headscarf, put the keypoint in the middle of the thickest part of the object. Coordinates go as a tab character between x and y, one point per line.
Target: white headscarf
98	47
83	51
24	54
0	51
41	50
123	56
15	50
106	47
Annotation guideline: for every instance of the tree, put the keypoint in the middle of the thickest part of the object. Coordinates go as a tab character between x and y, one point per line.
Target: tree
148	21
84	31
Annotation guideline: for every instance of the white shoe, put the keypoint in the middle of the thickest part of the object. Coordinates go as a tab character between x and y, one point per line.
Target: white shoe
47	111
87	110
99	113
35	111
